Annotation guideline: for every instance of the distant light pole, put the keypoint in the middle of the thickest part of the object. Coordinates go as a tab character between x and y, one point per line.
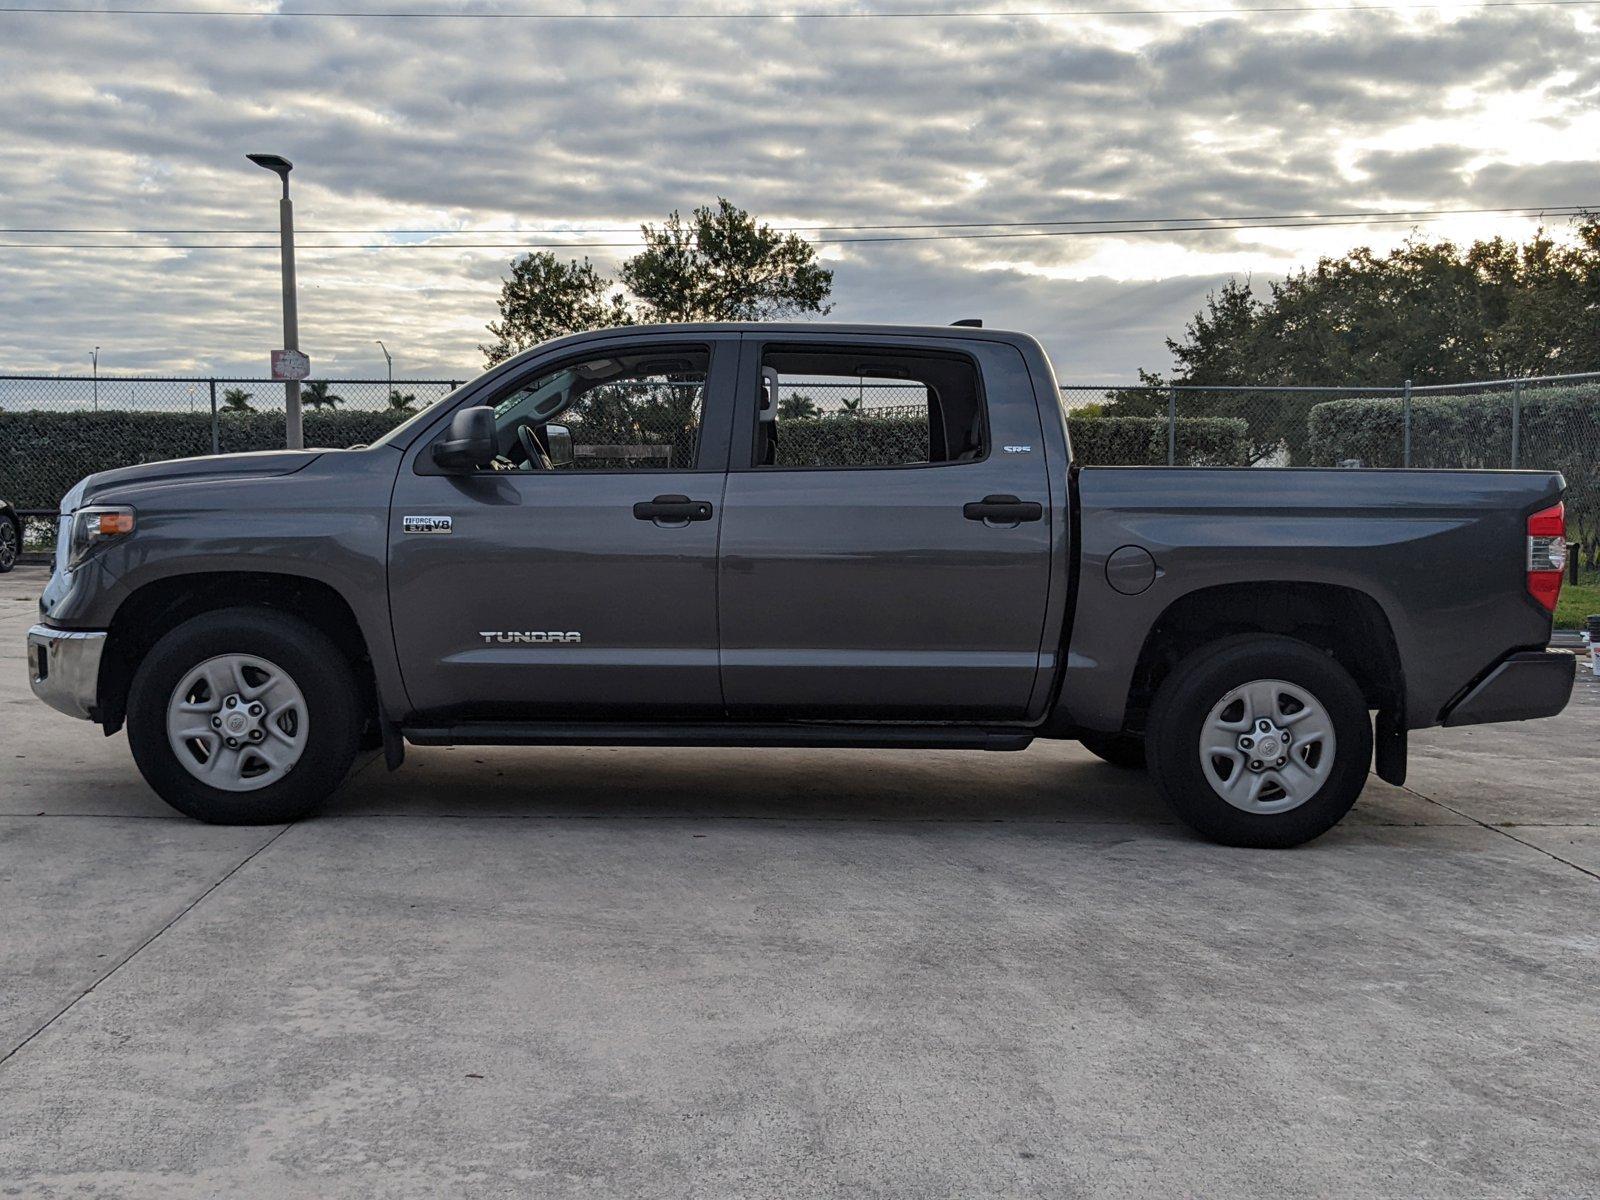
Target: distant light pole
294	437
95	359
388	399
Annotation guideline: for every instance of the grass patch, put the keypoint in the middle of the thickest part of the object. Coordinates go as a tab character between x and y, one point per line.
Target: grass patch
1578	601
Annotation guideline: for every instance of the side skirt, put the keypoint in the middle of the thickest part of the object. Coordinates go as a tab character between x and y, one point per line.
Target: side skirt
790	735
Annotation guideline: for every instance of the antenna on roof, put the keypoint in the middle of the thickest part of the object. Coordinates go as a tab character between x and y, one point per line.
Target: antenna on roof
970	322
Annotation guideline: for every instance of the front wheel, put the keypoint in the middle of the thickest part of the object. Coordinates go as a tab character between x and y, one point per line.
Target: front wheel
245	716
1260	741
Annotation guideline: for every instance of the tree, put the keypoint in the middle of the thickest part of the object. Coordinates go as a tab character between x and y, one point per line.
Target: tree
402	402
316	395
236	399
795	407
720	265
546	298
1430	312
723	266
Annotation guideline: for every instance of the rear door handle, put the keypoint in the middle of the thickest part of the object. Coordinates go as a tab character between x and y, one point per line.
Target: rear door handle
673	508
1003	510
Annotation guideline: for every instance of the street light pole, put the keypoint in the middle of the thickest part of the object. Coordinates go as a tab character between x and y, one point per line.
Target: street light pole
294	437
95	359
389	362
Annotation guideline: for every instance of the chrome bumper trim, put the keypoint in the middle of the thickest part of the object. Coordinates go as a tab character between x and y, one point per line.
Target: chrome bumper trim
64	668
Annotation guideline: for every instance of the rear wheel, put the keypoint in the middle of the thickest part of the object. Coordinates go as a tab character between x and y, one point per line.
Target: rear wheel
244	716
1260	741
1118	749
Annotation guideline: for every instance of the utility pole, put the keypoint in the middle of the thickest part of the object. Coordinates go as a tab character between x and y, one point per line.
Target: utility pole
294	437
95	359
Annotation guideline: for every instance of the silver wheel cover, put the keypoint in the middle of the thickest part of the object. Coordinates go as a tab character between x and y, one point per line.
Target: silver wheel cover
237	722
1267	746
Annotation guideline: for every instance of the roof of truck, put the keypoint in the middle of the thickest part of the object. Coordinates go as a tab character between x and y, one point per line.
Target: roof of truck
962	332
959	331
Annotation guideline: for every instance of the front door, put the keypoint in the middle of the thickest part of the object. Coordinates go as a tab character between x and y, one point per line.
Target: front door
863	574
568	584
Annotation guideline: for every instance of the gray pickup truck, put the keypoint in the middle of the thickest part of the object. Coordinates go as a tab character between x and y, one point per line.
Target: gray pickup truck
657	536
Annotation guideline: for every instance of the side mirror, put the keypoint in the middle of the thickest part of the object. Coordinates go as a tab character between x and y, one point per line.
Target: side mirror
470	442
558	445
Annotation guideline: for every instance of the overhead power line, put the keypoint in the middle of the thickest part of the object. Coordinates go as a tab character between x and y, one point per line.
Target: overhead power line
793	15
1522	209
820	241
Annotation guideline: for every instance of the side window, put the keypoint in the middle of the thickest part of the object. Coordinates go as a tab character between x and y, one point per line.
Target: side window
626	411
840	407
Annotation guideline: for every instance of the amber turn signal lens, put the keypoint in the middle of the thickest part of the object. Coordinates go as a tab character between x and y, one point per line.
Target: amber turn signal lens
114	523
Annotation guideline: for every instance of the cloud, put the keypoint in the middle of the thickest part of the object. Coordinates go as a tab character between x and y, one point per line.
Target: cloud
114	123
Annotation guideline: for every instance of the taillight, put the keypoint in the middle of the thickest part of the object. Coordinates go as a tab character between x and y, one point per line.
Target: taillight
1547	554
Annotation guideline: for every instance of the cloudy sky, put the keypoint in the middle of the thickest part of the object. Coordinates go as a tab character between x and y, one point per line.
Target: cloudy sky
510	129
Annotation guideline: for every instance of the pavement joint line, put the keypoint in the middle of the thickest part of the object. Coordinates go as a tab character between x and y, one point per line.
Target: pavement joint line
132	954
1503	831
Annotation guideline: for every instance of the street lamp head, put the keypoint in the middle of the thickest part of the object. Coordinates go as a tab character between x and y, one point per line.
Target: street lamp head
277	164
272	162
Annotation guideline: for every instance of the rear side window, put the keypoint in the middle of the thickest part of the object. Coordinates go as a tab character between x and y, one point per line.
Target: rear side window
842	407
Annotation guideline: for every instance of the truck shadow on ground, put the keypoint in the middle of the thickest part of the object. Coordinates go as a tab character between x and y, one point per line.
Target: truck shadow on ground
1045	784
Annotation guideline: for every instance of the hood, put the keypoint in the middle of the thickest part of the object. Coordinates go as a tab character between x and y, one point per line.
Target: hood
260	462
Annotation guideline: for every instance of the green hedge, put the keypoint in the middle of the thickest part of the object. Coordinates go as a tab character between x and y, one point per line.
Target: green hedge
1142	441
1560	431
42	454
847	440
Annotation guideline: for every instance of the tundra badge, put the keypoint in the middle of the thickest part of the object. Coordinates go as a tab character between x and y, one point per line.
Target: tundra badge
426	524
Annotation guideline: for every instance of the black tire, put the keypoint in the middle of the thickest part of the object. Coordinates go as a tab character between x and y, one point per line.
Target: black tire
10	542
1184	703
1119	749
335	714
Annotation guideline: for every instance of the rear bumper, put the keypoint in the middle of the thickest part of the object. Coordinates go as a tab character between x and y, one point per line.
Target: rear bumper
1522	687
64	668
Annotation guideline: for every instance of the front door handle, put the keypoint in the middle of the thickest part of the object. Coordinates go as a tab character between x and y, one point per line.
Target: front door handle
673	508
1003	510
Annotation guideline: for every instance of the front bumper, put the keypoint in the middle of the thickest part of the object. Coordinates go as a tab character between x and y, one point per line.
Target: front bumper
1521	687
64	668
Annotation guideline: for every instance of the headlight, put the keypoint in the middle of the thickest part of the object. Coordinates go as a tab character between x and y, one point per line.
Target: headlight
94	527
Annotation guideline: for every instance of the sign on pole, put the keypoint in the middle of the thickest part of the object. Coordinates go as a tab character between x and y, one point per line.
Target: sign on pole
290	364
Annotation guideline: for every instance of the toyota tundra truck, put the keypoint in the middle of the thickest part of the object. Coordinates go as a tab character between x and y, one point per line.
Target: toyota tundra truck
657	536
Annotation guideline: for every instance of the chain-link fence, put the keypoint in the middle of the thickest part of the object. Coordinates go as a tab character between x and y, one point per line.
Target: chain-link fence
859	424
1549	422
54	429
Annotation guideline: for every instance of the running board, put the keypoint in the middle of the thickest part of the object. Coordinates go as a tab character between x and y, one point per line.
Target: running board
789	735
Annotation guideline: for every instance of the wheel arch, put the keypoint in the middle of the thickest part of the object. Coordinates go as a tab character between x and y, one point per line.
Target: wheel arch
156	607
1344	622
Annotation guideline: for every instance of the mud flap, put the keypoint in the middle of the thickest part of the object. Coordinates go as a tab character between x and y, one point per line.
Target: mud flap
394	746
1389	747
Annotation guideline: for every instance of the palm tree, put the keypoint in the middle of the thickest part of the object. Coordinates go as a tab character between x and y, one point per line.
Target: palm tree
402	403
316	395
795	407
236	400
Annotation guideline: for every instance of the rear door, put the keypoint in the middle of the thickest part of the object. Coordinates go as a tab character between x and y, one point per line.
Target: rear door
585	589
886	530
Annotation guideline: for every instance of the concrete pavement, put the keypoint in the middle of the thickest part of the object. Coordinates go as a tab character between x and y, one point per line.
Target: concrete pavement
610	972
